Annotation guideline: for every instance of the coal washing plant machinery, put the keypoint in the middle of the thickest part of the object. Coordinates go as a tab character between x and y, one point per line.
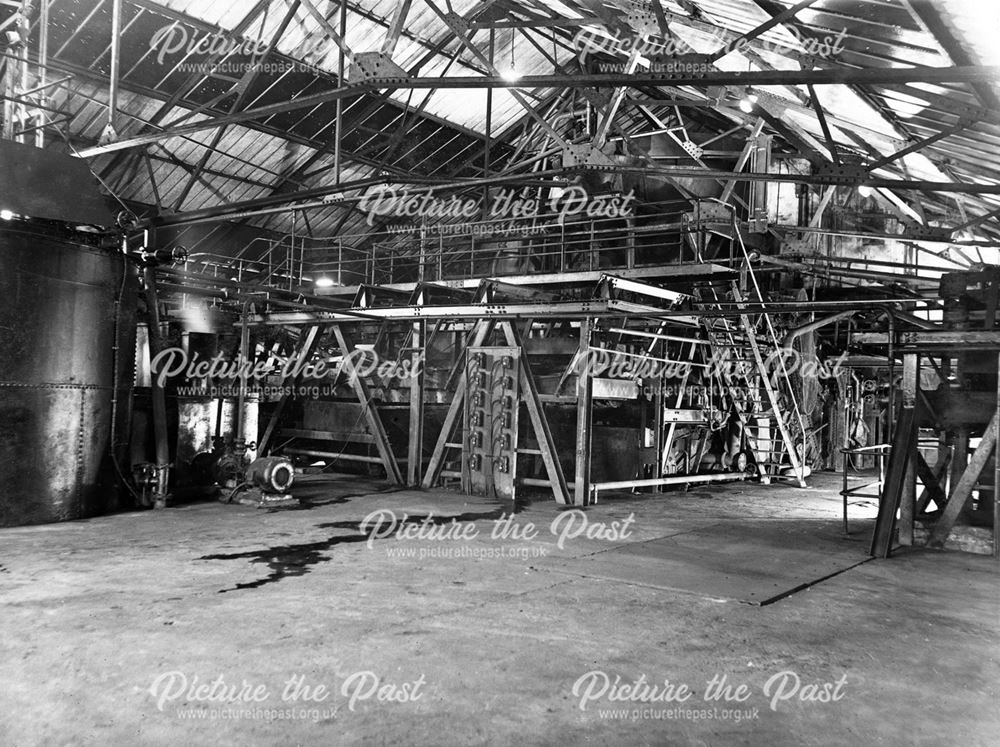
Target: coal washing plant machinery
79	438
67	314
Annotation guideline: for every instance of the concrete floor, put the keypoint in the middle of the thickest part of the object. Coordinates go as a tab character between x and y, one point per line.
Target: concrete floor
111	626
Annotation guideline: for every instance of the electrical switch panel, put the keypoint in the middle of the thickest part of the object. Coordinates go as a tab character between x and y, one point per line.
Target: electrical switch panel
492	401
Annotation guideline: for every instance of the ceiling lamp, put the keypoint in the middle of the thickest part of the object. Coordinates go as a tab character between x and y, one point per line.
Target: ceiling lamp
748	101
511	74
324	282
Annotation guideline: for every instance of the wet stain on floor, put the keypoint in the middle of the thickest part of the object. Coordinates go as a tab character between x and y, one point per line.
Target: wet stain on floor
286	560
298	559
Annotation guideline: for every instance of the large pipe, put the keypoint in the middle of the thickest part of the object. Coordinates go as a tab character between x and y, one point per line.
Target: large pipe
162	445
244	357
116	32
813	326
677	480
43	61
339	117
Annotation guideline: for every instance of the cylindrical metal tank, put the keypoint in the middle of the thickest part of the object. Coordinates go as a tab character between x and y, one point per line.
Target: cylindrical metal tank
59	316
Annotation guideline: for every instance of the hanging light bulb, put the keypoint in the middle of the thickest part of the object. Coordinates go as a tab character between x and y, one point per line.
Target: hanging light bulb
324	282
511	74
748	101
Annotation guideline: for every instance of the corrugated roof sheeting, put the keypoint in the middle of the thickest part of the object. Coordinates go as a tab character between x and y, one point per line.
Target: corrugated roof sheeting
256	158
322	221
254	162
149	70
224	14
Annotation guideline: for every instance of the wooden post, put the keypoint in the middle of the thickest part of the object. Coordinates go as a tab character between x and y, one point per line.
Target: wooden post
543	435
477	336
309	341
368	407
908	497
664	448
959	457
904	444
963	490
933	479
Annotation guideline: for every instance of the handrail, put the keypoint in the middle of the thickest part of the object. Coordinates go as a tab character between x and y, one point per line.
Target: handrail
461	250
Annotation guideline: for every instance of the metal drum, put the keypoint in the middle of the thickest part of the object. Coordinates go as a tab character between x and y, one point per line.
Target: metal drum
58	324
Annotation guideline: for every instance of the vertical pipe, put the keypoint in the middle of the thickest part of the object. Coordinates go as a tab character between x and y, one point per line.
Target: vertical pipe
290	255
422	256
7	133
302	259
43	61
584	394
22	106
415	451
489	128
162	446
15	62
244	358
25	83
908	493
658	428
630	243
116	30
892	375
340	82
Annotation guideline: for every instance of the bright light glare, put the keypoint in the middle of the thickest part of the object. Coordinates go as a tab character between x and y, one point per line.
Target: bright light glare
865	191
748	101
6	215
324	282
510	74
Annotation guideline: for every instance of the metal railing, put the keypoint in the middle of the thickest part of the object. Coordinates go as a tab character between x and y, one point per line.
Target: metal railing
666	234
280	263
497	248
